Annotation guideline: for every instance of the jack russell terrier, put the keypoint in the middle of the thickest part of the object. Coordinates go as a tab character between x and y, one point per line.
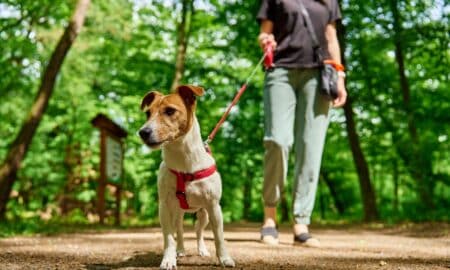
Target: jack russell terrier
187	180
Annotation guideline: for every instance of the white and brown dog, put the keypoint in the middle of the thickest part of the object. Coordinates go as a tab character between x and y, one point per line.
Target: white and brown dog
188	180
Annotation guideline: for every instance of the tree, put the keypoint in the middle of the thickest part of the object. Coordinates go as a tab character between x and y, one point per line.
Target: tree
367	192
414	155
19	147
187	12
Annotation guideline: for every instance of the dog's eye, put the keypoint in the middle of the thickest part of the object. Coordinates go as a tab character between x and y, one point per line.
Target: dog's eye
169	111
147	113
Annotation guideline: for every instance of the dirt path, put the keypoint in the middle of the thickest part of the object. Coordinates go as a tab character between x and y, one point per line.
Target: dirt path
417	247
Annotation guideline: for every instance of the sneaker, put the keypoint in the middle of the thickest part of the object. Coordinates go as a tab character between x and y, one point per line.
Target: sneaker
269	235
305	239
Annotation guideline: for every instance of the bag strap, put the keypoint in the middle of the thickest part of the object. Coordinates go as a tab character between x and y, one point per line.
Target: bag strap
309	26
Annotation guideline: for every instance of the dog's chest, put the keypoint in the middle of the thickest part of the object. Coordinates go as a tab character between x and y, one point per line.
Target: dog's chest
199	192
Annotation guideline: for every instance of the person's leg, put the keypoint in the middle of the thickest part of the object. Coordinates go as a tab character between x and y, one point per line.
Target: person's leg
275	170
311	125
279	112
270	217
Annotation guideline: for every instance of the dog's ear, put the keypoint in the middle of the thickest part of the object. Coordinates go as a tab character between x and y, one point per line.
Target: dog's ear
189	92
149	98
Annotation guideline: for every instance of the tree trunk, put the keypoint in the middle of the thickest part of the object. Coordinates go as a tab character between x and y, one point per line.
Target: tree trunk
334	193
421	169
395	176
182	42
366	189
365	184
365	66
247	202
19	147
321	200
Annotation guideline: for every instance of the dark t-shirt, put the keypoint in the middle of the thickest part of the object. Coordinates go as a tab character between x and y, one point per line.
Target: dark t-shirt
294	46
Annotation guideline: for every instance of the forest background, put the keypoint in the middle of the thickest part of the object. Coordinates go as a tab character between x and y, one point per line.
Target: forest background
387	151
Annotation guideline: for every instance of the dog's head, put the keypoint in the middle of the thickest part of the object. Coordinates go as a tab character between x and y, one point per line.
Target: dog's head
168	116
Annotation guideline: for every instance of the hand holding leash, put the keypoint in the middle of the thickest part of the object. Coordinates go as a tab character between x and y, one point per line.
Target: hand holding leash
268	56
267	43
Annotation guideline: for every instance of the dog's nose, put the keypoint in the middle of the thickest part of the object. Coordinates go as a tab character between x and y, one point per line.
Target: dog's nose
145	133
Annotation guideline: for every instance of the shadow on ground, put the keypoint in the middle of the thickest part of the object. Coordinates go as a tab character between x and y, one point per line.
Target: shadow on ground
150	259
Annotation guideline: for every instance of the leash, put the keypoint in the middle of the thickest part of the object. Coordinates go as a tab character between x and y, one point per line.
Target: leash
182	178
268	63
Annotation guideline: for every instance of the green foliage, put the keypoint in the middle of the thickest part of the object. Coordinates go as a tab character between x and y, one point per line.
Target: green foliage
127	48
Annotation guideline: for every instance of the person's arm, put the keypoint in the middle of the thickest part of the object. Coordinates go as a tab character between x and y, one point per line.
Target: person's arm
265	37
335	53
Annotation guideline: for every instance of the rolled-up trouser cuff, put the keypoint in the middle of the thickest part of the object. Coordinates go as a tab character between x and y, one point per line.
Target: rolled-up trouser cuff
302	220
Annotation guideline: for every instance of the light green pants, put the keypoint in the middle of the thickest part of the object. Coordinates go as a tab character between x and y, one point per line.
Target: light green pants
295	113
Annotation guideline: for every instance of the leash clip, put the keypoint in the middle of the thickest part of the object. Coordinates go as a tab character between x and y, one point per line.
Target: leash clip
206	145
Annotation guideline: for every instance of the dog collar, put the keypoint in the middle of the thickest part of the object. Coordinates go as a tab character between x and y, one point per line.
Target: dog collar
182	178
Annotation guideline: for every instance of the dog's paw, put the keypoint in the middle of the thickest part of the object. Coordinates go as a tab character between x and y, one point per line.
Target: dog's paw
226	262
203	251
181	253
168	264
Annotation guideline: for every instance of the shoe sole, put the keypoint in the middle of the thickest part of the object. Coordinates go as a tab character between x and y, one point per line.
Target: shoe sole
312	243
270	240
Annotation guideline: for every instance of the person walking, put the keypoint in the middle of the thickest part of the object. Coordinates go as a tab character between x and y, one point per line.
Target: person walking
295	112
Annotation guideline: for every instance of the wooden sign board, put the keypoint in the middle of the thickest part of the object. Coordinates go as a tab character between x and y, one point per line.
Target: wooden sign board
114	158
111	162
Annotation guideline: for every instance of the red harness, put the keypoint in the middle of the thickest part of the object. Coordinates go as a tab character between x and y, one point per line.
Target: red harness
182	178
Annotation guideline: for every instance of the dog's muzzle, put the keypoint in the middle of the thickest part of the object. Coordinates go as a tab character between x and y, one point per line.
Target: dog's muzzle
146	135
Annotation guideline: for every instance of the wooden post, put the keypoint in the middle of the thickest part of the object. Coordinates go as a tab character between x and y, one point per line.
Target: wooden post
111	164
117	211
102	180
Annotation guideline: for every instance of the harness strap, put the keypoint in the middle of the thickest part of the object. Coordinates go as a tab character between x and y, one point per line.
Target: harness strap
182	178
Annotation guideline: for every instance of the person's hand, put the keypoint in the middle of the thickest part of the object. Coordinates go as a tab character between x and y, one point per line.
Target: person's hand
264	39
342	93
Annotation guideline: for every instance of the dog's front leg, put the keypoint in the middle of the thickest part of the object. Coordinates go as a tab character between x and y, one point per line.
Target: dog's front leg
180	230
167	221
200	225
215	214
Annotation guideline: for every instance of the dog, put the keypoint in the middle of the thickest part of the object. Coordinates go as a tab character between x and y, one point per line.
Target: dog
187	180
